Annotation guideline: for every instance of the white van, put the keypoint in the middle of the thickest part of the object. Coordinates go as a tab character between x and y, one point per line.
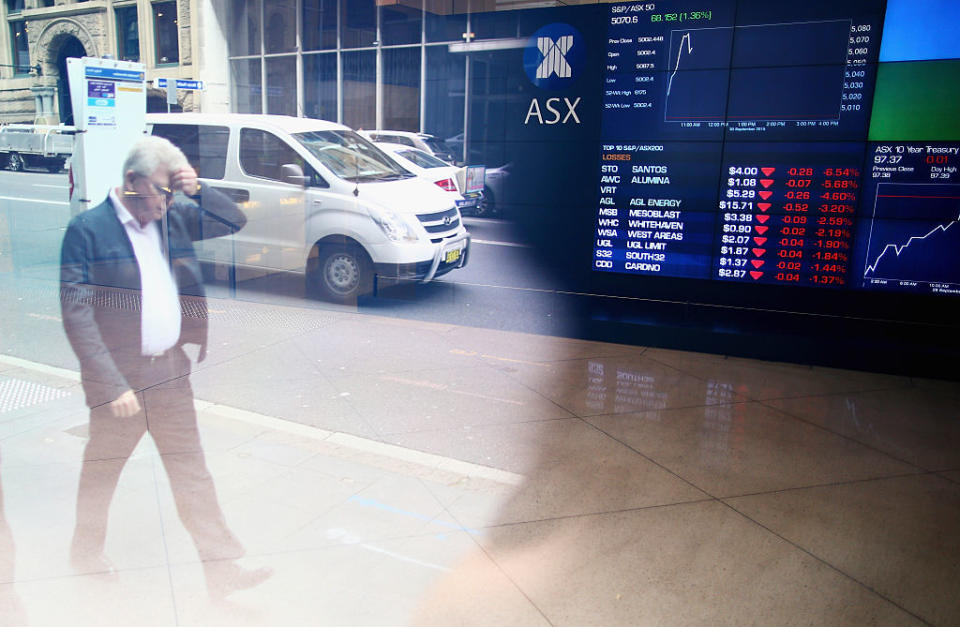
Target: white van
319	199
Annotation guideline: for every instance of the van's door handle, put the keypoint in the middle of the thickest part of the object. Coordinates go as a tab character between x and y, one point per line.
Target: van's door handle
317	203
235	194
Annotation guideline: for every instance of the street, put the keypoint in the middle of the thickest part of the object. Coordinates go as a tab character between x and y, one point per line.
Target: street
502	287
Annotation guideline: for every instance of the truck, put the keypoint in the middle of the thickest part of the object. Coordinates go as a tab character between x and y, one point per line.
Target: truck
35	145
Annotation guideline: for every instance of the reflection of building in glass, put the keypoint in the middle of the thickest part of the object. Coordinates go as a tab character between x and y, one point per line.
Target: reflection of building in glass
412	65
405	65
39	36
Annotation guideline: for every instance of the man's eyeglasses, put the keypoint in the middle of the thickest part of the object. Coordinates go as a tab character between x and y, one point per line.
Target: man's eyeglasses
166	192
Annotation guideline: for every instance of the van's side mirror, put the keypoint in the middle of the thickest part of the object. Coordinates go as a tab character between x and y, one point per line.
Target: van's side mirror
293	174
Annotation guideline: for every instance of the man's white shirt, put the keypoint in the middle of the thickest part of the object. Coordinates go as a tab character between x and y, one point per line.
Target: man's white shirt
160	308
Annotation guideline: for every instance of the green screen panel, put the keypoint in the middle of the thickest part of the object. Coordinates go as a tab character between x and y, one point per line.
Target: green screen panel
918	100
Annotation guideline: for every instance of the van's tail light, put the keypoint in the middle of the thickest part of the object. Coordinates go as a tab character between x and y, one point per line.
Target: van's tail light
447	185
70	181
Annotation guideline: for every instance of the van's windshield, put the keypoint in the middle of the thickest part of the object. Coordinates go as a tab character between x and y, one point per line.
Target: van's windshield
351	157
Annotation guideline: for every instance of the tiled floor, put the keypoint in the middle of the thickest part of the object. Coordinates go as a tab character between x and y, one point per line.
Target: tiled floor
391	472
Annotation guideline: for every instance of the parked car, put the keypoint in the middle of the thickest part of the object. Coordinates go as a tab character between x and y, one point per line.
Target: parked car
425	142
319	199
465	183
494	188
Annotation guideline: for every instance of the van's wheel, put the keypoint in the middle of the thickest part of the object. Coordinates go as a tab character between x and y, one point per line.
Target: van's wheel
339	272
487	206
15	162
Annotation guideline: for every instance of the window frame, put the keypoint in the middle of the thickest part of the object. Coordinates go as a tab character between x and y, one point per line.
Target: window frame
156	33
202	133
314	178
121	48
19	69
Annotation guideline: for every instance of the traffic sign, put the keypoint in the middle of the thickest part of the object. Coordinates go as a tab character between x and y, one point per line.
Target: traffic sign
182	84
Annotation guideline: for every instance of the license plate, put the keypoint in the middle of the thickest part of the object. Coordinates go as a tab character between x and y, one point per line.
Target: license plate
466	203
451	255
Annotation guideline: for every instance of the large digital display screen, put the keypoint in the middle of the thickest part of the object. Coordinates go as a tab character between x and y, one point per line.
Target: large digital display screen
780	143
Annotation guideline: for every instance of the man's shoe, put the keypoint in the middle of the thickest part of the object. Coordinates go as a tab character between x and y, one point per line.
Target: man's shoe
93	564
224	577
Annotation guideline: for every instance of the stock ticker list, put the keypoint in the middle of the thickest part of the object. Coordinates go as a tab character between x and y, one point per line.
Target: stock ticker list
733	151
653	214
784	222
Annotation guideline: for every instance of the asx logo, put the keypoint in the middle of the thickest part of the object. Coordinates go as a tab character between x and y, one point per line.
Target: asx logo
552	60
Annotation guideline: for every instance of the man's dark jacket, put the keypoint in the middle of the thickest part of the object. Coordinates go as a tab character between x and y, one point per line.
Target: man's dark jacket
100	292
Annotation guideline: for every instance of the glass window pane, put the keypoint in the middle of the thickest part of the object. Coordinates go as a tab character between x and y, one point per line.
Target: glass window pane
280	32
348	155
401	24
282	85
245	79
165	32
14	6
446	20
494	90
262	154
445	96
359	23
401	89
21	48
392	139
244	36
422	159
496	24
128	34
360	89
319	24
320	86
204	146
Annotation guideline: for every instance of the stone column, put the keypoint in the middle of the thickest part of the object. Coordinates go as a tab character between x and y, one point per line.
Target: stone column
43	99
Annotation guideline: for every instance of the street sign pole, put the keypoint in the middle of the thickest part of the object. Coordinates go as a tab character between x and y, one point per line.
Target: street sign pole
171	94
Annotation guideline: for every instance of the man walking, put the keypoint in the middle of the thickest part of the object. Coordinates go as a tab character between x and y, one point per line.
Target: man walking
132	296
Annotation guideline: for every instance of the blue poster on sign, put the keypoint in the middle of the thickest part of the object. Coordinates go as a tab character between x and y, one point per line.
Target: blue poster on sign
101	103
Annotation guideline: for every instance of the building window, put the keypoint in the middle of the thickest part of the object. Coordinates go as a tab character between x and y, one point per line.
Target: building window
359	19
128	34
320	86
21	48
360	89
247	89
280	34
445	93
320	25
401	89
282	85
165	32
14	6
244	19
400	25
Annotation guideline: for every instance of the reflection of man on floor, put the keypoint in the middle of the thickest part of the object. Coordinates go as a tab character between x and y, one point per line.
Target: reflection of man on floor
124	265
11	607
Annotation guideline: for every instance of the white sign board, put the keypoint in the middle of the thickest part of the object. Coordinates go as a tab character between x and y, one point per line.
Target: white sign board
109	100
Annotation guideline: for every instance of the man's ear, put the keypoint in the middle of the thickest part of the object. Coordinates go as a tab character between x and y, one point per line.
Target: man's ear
128	177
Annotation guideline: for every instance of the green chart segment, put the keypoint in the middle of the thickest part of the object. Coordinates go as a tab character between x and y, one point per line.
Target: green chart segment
916	101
